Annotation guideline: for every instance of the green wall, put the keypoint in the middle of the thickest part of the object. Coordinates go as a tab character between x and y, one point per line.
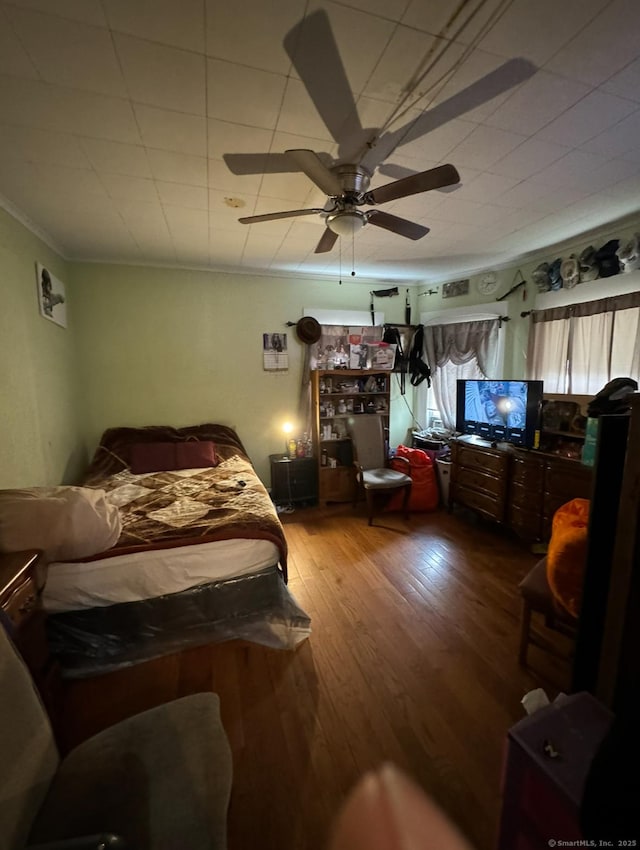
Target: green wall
165	346
155	345
40	440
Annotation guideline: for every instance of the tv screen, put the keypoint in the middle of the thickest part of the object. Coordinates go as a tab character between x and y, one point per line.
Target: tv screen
500	411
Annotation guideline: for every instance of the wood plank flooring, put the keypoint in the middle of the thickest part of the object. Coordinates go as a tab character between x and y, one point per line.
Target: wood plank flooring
412	659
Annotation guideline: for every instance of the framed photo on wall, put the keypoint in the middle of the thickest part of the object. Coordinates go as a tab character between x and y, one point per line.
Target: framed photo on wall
51	296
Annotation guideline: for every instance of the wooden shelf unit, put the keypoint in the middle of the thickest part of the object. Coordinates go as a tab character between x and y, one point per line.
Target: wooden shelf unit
363	392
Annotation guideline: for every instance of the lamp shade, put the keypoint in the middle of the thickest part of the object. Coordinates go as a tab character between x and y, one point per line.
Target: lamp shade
346	223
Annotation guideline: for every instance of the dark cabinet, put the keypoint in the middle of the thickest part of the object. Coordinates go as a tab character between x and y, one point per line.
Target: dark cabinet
293	480
521	489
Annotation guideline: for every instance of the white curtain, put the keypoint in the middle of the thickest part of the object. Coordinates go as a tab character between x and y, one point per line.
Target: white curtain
444	386
549	346
589	353
579	348
459	350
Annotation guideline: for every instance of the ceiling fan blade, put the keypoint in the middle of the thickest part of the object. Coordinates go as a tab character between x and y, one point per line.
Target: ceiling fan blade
397	225
506	76
434	178
253	219
398	172
258	163
309	162
327	241
312	48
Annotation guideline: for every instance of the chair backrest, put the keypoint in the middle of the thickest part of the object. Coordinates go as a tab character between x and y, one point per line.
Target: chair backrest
367	435
29	755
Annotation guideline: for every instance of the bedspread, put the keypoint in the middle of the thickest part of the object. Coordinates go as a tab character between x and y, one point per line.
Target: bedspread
182	507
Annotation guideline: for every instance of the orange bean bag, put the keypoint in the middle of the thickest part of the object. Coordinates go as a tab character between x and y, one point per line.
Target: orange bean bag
567	554
425	495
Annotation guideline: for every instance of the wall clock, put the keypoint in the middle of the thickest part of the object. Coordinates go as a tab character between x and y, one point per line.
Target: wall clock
488	283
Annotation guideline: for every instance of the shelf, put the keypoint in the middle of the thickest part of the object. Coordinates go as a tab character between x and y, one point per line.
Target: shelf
567	434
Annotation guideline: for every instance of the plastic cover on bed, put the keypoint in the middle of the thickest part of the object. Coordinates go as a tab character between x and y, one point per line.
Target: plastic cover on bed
257	607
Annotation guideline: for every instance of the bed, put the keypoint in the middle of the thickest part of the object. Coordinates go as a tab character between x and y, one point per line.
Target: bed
201	556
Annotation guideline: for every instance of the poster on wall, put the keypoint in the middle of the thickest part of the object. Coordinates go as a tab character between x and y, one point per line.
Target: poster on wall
51	296
275	357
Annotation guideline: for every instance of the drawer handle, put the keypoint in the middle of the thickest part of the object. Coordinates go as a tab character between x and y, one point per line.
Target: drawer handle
28	605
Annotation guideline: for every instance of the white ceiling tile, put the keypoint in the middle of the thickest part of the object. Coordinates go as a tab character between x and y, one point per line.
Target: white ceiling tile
391	9
603	47
537	102
484	147
438	144
38	104
163	76
87	11
117	157
140	214
178	167
179	23
221	211
529	157
347	24
89	63
41	146
537	30
243	95
224	137
14	59
587	118
126	186
299	113
485	187
172	131
236	34
618	140
182	195
399	64
436	17
625	83
75	182
574	169
184	221
222	179
292	187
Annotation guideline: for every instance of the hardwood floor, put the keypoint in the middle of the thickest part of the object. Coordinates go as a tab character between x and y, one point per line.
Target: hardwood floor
412	659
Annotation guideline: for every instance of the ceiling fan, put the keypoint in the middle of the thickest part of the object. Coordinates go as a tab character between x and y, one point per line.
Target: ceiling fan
312	48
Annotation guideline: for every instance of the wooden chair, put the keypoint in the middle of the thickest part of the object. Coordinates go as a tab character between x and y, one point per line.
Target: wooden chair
537	597
373	472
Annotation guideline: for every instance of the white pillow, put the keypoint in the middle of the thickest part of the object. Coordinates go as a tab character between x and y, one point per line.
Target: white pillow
65	522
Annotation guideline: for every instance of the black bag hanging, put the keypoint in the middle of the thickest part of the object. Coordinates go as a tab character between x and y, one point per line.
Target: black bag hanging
391	336
419	370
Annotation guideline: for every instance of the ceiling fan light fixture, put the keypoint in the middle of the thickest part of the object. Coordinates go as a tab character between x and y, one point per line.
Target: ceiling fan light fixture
346	223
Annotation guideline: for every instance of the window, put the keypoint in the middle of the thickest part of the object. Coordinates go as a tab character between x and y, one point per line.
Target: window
459	344
577	349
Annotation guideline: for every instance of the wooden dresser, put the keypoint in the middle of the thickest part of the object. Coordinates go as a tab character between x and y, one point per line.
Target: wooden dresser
519	489
22	580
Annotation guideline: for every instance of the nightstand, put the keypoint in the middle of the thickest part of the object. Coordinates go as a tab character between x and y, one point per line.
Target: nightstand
22	579
293	480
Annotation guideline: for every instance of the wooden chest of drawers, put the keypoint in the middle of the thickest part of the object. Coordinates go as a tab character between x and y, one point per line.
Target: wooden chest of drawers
479	478
521	489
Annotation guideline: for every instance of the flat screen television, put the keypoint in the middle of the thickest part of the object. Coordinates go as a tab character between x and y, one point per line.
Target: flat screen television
500	411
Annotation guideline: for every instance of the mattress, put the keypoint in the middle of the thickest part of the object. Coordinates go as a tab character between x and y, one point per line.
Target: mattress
141	575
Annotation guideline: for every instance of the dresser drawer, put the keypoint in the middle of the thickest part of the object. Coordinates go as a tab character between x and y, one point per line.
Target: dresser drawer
526	524
527	472
490	506
478	480
480	458
568	481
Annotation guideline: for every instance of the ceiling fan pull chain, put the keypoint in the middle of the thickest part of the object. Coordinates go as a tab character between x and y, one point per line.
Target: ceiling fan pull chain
353	255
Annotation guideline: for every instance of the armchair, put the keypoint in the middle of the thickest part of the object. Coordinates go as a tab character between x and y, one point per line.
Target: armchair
374	475
156	781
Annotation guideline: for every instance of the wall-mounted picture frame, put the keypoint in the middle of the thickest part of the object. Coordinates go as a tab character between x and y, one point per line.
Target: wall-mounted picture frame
52	297
456	287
